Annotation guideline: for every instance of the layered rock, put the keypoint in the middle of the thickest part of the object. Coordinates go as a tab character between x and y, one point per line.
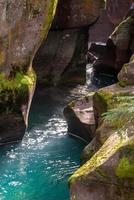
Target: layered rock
24	24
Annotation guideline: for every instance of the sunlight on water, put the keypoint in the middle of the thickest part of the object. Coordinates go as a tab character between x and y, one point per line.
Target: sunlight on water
38	168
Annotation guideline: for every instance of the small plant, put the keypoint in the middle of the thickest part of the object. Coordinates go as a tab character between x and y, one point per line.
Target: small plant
123	114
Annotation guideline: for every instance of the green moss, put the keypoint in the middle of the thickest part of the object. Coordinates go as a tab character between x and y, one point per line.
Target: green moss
131	196
49	18
125	169
100	157
14	90
20	81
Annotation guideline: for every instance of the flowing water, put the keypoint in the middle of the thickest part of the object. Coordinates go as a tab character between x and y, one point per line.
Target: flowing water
38	168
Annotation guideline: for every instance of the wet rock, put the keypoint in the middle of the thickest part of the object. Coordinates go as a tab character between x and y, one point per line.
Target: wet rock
24	24
76	13
80	118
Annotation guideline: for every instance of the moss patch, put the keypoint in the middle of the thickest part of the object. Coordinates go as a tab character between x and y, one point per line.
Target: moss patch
14	90
105	152
125	168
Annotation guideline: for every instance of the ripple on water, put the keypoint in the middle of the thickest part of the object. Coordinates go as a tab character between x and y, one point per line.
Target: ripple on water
38	168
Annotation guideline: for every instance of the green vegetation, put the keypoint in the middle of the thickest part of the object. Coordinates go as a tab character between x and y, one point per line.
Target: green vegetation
123	114
14	90
125	168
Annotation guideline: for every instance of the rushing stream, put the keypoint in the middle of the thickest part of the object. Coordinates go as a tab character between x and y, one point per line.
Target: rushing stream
38	168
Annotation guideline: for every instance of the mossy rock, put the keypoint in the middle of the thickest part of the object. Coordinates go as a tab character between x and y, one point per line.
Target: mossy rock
112	164
126	75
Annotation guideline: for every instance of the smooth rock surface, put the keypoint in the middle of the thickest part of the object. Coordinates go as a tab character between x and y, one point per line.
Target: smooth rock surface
126	75
62	57
24	24
100	31
76	13
117	10
80	118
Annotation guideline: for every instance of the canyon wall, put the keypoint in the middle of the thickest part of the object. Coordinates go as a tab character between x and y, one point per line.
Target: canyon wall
24	25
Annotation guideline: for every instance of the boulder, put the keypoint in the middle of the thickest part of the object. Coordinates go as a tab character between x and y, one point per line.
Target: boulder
126	75
105	58
80	118
108	174
106	98
88	151
116	11
100	31
76	13
110	57
24	24
121	38
122	34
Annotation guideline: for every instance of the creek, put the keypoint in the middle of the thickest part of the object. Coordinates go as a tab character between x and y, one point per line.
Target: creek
39	166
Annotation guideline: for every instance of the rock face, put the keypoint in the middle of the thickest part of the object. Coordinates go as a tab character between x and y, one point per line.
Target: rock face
101	30
109	18
108	160
24	24
108	174
63	51
126	75
62	58
80	118
111	57
116	11
76	13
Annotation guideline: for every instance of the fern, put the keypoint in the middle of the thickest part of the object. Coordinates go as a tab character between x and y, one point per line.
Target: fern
123	113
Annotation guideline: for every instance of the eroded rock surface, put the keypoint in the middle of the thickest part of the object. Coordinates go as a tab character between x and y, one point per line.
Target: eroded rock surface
76	13
62	56
80	118
108	174
126	75
24	24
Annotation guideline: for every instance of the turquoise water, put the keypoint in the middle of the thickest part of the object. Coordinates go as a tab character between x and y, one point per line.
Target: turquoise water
38	168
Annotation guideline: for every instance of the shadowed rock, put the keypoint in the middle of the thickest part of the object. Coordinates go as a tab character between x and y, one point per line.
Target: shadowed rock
76	13
108	174
24	24
80	118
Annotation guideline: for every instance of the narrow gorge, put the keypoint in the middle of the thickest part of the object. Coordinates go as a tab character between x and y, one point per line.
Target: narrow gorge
67	100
